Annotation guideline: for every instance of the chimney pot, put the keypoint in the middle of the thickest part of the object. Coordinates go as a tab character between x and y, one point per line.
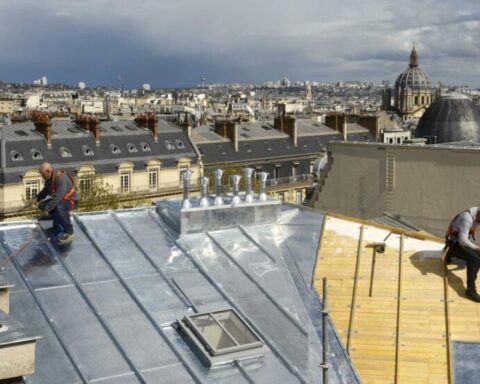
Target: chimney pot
235	184
203	181
186	175
262	195
248	173
218	187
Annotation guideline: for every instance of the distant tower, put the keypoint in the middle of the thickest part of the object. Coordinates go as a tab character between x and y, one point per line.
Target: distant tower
204	82
308	92
413	90
44	80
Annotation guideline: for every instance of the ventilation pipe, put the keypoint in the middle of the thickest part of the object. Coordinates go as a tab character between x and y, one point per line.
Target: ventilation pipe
218	187
186	175
262	177
248	173
203	182
235	184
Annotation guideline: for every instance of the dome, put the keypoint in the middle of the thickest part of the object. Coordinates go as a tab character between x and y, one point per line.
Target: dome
413	77
450	118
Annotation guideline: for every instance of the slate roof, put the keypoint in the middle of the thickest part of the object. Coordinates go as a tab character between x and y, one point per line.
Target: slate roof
67	135
104	308
260	141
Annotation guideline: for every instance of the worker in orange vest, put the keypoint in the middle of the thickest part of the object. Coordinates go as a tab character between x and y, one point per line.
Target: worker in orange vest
460	239
57	198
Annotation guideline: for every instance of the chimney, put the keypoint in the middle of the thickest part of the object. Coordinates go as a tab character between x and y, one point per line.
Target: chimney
43	125
229	130
91	124
287	124
149	121
218	187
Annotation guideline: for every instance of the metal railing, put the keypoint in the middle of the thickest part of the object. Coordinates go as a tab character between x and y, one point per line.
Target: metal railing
304	178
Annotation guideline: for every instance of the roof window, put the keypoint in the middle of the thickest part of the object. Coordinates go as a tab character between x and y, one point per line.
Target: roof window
220	337
65	152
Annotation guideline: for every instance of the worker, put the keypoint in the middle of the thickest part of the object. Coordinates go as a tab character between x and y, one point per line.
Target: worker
57	198
460	239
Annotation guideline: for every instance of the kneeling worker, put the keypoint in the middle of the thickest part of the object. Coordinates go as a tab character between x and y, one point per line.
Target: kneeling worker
57	198
459	239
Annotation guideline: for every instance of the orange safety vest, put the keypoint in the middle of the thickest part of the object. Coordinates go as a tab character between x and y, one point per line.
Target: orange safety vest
451	232
69	194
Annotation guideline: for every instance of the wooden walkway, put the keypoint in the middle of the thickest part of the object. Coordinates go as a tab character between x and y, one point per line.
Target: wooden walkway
399	334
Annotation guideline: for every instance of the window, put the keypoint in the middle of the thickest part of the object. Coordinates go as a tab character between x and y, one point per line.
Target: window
169	145
299	197
125	181
153	179
311	166
295	168
132	148
220	336
115	149
36	154
87	151
16	156
416	100
179	144
65	152
31	190
145	147
277	171
85	184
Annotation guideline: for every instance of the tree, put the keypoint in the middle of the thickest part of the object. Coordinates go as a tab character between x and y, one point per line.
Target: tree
96	194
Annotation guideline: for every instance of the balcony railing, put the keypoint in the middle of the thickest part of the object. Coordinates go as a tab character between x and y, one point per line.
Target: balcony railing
300	179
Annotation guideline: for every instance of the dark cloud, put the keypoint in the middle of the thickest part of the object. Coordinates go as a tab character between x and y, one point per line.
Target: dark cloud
171	43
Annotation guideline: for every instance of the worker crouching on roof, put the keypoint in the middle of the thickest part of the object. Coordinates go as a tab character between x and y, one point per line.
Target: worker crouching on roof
57	198
460	240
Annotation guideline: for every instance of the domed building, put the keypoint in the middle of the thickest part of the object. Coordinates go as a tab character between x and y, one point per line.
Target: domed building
451	118
413	91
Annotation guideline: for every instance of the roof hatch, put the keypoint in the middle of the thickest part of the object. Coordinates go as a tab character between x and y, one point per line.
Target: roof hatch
220	337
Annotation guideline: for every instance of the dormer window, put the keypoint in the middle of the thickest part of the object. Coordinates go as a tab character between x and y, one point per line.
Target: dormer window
87	151
115	149
132	148
145	147
179	144
36	154
65	152
16	156
169	145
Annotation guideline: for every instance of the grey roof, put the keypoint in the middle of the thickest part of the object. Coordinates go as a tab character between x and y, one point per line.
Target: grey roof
66	135
449	119
249	131
260	141
414	78
104	307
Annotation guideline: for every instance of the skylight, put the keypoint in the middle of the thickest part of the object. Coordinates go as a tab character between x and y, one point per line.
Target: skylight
220	337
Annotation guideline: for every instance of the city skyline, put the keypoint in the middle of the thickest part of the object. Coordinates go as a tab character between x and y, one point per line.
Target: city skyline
168	44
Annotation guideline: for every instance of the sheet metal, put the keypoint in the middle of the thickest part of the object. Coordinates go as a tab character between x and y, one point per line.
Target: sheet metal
139	288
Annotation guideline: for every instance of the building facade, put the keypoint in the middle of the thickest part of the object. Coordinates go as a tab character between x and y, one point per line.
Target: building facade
141	158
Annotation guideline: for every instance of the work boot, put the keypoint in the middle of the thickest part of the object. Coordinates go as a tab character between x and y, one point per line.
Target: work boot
472	295
65	239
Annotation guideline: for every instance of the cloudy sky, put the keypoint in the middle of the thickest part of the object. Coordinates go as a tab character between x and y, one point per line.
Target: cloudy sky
176	42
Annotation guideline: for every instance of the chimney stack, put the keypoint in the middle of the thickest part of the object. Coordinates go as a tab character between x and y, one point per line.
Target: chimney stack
229	130
43	125
288	125
149	121
91	124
